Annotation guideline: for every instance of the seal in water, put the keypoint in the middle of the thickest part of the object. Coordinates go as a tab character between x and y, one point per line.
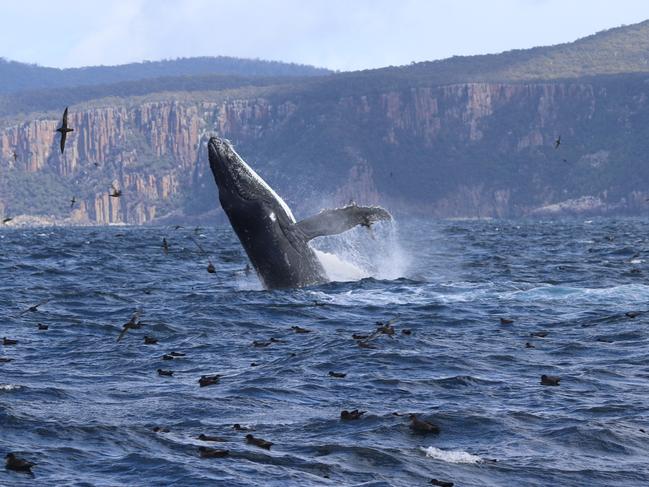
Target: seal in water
276	244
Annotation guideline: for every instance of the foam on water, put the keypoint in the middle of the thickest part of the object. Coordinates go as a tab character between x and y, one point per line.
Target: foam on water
451	456
362	253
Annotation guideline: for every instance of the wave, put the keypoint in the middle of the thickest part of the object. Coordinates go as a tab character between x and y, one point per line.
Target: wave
451	456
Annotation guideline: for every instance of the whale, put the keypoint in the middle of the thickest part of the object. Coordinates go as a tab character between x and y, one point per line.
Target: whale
277	245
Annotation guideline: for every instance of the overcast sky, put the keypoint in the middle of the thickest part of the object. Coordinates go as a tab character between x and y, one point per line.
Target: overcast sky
338	34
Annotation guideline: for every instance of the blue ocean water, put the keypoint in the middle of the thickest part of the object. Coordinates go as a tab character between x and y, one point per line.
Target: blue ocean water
83	406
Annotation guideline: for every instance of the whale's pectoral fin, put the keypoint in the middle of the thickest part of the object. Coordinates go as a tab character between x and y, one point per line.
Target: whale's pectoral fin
333	222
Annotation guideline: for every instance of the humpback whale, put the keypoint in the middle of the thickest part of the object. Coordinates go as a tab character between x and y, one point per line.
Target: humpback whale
277	245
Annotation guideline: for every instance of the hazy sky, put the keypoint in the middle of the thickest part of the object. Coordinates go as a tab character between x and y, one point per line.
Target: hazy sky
339	34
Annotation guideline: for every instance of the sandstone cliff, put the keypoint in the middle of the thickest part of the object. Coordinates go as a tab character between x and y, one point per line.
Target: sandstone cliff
468	149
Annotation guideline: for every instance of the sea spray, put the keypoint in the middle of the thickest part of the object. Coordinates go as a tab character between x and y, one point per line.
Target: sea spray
363	252
451	456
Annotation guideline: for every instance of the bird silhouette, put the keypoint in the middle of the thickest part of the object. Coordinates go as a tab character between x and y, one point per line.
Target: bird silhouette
6	220
72	202
132	324
557	142
34	308
15	156
18	464
550	380
64	129
116	192
422	427
261	443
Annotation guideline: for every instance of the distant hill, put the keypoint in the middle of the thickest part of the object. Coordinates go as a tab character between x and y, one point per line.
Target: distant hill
463	137
614	51
17	76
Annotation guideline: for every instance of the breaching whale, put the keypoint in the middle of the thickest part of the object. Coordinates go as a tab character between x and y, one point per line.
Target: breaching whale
276	244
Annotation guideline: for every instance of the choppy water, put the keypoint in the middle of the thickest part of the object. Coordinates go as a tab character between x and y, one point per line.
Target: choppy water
83	406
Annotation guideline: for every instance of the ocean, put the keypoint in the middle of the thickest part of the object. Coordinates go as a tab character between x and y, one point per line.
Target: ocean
573	294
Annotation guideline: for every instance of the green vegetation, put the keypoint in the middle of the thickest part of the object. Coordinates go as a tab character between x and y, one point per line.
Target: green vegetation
452	158
18	77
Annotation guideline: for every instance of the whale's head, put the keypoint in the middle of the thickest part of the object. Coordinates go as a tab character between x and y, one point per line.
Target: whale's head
239	185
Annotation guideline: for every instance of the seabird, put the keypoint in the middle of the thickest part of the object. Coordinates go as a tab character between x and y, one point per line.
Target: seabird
550	380
165	373
6	220
422	427
34	308
8	341
442	483
557	142
160	429
338	375
12	462
208	380
72	202
238	427
299	329
258	442
385	328
210	268
64	129
4	360
150	340
529	345
41	326
133	324
506	321
116	192
349	415
165	246
206	452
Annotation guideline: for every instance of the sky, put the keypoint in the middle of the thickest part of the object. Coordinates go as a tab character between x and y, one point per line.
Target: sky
337	34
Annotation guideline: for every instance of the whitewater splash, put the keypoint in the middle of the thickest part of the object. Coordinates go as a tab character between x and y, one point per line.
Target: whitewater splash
362	253
451	456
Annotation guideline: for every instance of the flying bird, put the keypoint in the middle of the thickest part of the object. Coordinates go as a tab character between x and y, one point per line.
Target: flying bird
6	220
557	142
116	192
15	156
64	129
72	202
132	324
34	308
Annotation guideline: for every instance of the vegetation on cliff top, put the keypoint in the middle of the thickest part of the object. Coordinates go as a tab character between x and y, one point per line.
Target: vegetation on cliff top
29	77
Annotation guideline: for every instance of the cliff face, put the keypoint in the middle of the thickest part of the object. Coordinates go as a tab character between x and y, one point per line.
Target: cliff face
476	150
